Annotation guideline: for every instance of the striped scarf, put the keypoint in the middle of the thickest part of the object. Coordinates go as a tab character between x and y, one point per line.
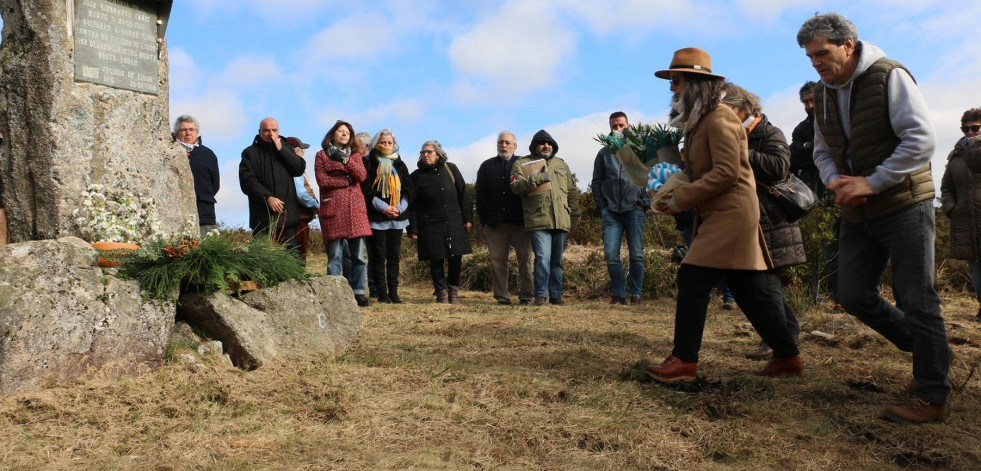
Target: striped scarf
387	180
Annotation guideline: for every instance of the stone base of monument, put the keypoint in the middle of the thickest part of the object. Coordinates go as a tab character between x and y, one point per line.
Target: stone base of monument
62	317
294	320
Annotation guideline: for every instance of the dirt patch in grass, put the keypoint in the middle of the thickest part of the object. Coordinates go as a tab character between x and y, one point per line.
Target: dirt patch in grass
482	386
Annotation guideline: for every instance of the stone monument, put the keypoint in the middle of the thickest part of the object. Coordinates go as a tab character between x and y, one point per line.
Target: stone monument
84	100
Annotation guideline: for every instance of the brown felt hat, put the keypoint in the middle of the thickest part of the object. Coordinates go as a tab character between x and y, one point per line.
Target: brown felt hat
690	60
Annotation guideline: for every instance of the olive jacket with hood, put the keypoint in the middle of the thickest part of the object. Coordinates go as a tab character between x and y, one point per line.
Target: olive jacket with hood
556	208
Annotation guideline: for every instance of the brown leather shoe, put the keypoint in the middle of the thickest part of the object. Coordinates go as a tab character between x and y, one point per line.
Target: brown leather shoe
916	411
556	302
635	301
673	370
541	301
782	367
763	352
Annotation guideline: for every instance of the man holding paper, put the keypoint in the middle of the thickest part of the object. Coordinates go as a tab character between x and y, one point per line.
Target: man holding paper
551	206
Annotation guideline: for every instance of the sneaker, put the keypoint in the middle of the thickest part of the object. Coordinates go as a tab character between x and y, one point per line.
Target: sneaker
916	411
635	301
617	300
362	300
556	302
541	301
673	370
763	352
524	302
729	305
778	367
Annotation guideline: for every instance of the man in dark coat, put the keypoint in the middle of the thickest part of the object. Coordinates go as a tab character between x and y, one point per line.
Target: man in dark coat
266	177
204	169
802	144
500	213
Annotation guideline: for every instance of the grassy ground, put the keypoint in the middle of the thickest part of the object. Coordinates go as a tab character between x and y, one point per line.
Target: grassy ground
481	386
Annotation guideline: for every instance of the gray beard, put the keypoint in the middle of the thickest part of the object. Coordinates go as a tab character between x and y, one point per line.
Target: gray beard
505	156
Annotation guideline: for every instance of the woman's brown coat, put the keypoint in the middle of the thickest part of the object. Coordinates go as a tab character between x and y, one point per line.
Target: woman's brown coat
727	231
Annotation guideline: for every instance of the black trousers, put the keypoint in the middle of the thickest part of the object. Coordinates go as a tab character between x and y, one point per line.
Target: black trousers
384	253
758	295
449	277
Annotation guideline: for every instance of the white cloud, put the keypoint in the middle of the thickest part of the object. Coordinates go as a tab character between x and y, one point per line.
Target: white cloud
247	72
358	36
232	207
518	48
221	114
379	115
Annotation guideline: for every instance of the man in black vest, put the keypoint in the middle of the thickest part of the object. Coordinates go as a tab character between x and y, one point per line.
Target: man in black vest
872	144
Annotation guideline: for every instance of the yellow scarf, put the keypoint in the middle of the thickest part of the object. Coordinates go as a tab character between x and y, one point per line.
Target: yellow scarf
387	180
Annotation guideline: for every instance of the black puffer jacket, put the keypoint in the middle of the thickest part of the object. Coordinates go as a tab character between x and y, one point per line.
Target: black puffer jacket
441	209
960	199
769	156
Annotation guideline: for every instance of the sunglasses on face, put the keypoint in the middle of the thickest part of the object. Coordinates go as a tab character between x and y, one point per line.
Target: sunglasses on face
974	128
676	81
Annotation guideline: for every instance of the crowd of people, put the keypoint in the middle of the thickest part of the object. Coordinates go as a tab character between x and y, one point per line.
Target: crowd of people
866	141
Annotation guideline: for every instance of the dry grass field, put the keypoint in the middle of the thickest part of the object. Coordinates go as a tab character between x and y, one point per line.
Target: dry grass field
481	386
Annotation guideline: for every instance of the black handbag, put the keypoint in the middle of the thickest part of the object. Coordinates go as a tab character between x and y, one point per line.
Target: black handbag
793	195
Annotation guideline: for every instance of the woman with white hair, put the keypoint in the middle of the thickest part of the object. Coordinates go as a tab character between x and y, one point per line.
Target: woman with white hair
440	218
387	193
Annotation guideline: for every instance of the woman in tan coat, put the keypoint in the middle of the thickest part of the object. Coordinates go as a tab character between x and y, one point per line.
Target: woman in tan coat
727	240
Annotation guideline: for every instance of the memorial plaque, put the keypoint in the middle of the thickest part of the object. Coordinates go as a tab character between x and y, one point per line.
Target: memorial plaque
116	44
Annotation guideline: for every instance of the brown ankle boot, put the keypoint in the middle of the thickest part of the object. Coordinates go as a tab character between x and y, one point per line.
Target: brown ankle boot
782	367
916	411
454	295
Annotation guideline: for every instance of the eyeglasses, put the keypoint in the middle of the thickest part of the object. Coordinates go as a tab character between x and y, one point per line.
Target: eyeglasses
427	152
507	143
676	80
973	128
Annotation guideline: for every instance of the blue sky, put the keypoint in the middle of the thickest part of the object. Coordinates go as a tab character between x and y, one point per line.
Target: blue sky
462	71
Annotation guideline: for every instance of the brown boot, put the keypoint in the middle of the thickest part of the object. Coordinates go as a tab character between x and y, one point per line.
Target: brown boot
454	295
763	352
442	296
782	367
672	370
916	411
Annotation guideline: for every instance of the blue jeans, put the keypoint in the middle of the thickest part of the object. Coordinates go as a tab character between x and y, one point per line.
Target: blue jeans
548	245
335	260
906	239
615	225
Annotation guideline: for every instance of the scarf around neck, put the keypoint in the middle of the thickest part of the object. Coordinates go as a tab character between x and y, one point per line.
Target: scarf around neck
187	147
387	181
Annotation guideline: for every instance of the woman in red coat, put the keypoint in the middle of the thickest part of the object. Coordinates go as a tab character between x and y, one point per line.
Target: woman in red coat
343	216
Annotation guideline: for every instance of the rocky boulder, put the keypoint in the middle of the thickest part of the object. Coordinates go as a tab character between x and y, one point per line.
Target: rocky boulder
63	317
291	320
62	135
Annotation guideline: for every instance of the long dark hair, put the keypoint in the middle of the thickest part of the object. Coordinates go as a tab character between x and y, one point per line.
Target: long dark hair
354	143
704	89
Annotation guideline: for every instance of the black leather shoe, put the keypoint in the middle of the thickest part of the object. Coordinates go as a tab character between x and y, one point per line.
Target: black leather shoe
362	300
556	302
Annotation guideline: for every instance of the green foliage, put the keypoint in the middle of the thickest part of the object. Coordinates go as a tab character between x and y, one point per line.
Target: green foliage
164	267
644	139
818	231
